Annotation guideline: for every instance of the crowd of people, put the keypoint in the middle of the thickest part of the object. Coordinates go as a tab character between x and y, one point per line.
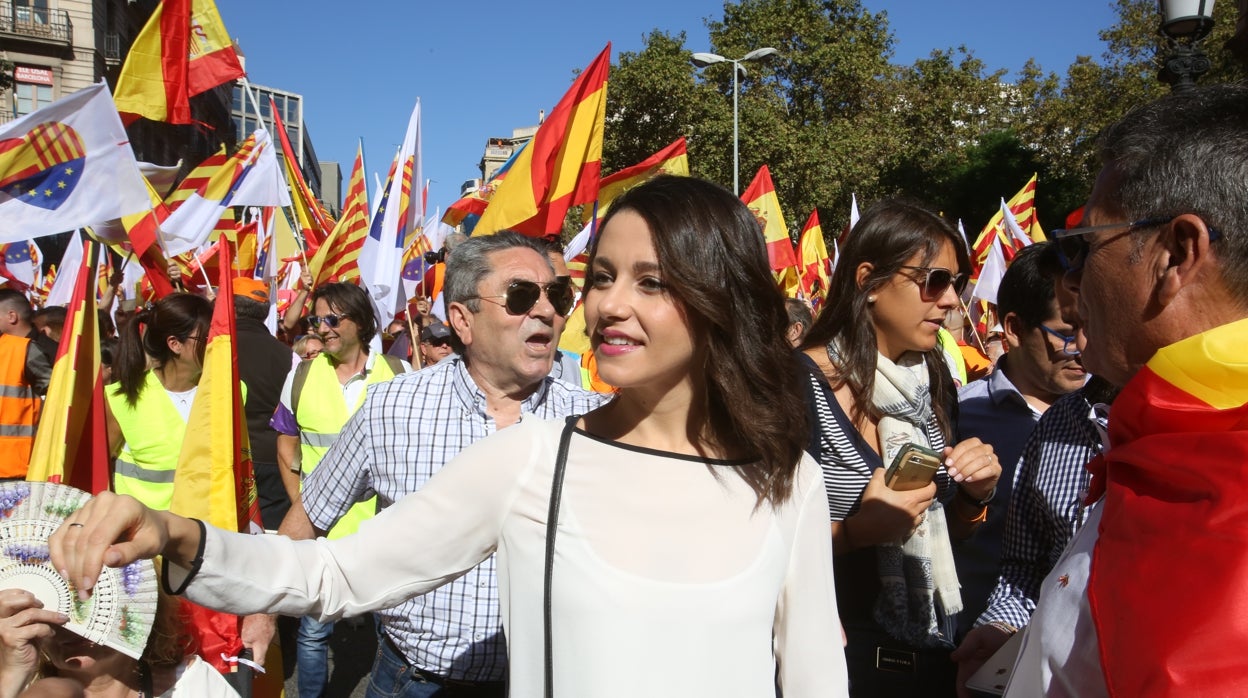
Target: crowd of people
721	521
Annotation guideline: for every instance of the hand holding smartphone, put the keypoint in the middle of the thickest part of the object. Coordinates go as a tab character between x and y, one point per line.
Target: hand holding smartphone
913	468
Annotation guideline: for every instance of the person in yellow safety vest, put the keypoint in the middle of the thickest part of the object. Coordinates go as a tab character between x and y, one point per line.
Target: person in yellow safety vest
146	409
319	396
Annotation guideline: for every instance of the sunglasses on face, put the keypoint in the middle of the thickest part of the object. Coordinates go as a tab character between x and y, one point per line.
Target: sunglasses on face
436	342
329	319
1073	247
937	280
521	296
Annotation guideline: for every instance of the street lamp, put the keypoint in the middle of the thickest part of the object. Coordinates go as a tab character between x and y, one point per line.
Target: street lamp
1185	23
702	60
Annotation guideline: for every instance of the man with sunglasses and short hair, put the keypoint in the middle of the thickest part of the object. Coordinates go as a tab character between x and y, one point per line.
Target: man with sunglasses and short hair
1148	597
317	398
505	309
435	343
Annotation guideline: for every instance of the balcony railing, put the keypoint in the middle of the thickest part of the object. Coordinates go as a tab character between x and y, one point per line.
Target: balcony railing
112	48
35	23
6	116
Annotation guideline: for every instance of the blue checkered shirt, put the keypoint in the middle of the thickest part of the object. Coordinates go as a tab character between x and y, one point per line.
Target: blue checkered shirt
1046	508
405	431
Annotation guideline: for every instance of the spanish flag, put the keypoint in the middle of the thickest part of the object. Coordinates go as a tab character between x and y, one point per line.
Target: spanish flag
560	168
1169	578
214	480
762	201
312	222
71	446
183	50
673	160
815	265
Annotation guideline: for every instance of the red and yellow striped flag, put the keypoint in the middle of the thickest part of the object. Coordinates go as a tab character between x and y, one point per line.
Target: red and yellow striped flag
71	446
673	160
214	481
560	168
338	257
307	209
1170	565
815	265
1023	205
762	201
183	50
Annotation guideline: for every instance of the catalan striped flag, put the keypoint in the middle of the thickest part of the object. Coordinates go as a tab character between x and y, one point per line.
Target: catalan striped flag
673	160
214	481
1170	566
762	201
561	166
249	177
816	267
1023	206
183	50
338	257
71	445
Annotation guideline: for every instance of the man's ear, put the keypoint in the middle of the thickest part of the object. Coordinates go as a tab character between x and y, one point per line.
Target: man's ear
460	318
1184	256
1012	329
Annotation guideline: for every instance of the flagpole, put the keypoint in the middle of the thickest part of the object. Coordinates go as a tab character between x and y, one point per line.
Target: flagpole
966	314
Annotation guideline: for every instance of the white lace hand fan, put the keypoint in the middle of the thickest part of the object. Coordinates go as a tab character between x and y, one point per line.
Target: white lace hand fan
122	606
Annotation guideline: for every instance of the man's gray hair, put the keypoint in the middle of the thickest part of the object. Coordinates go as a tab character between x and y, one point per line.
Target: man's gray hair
249	308
469	264
1188	153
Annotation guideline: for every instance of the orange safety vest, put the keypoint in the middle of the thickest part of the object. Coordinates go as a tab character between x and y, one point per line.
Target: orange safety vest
19	408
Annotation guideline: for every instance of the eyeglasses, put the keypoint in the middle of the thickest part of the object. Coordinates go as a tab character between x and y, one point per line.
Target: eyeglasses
435	342
328	319
521	296
937	280
1073	247
1069	348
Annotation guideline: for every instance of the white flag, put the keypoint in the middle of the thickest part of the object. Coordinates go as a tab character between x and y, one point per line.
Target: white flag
67	166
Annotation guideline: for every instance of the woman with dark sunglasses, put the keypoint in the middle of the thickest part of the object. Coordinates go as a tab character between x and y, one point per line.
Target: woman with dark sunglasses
690	557
876	381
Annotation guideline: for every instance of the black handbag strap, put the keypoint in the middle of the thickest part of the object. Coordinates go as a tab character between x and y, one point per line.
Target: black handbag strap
552	524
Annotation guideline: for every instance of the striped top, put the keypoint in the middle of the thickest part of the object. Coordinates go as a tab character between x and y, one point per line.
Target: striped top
846	458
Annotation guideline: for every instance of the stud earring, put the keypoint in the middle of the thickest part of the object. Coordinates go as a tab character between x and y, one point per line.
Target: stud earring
870	299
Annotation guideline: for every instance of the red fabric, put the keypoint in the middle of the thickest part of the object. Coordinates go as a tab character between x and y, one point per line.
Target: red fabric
175	35
1169	579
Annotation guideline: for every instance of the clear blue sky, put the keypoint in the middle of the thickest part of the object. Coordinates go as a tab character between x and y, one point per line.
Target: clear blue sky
483	67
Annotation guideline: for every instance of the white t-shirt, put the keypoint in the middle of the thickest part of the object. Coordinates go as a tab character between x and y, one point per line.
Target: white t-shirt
668	580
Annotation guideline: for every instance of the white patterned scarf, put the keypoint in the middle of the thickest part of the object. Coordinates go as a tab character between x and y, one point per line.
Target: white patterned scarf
919	571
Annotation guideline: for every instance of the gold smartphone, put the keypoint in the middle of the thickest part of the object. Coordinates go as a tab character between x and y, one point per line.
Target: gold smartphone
913	468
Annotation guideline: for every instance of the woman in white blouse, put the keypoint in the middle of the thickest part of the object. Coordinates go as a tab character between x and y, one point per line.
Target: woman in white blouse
692	555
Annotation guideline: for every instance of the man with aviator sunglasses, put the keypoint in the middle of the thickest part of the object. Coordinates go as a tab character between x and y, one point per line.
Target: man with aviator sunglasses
1145	599
505	312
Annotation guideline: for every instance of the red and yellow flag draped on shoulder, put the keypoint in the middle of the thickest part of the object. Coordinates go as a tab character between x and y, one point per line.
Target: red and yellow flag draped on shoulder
169	63
560	168
71	446
214	481
1170	564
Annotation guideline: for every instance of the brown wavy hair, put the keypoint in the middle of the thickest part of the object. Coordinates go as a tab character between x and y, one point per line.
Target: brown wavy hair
712	257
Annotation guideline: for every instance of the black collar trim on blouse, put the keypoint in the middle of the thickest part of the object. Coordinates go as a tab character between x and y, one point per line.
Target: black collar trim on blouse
667	454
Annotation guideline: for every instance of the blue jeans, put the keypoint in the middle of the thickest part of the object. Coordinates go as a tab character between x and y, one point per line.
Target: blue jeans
393	677
312	656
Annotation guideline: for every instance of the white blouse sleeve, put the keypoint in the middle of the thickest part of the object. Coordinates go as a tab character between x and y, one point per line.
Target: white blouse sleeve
808	641
425	540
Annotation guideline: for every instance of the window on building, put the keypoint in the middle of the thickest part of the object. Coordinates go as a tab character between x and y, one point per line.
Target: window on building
30	97
31	11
